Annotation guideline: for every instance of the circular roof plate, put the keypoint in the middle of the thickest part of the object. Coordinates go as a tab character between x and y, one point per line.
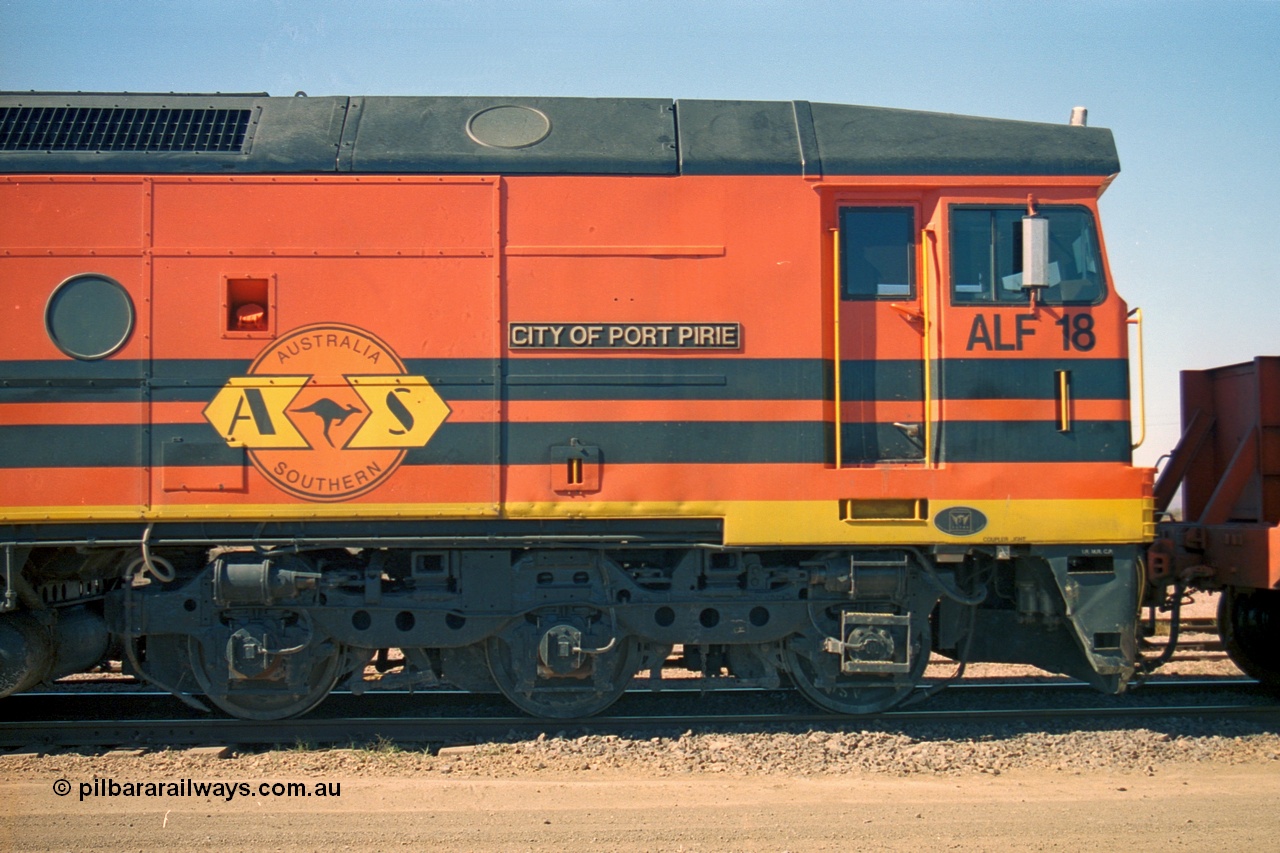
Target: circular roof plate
508	126
89	316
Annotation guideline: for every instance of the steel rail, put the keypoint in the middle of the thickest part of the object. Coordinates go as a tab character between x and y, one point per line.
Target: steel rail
46	734
670	687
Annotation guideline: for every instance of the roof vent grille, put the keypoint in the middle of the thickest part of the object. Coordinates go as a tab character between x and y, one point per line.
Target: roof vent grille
209	131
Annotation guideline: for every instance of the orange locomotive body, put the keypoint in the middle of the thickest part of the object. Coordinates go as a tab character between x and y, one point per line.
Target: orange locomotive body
536	390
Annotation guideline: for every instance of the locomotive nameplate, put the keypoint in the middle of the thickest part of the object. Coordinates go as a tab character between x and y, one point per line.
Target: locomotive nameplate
626	336
327	412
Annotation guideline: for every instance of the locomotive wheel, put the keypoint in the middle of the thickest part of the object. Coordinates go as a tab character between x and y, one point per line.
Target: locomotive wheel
1249	624
292	686
576	695
816	673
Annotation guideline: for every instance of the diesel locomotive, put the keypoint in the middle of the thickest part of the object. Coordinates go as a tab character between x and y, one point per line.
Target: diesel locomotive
535	390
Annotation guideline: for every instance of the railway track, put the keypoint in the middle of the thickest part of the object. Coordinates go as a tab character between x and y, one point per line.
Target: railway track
116	711
1198	636
455	718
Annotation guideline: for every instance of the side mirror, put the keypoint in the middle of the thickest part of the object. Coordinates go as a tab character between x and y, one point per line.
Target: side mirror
1035	252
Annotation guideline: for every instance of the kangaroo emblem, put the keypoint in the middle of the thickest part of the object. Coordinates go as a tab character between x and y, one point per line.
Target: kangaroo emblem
331	413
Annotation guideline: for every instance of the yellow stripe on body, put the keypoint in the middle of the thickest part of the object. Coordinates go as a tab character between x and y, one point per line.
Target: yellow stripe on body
37	514
746	523
1040	522
242	512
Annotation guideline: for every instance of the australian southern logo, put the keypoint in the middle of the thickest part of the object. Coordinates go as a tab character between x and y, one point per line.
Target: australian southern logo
327	412
960	521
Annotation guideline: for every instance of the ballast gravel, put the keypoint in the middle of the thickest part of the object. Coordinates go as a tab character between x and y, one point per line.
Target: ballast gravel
933	749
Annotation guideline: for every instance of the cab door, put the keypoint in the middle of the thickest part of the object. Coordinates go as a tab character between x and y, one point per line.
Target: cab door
1041	379
880	336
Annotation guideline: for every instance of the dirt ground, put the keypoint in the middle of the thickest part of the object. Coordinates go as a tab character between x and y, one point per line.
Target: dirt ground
1189	807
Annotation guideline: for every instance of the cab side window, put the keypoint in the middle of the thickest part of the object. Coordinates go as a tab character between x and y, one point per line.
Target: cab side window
986	256
877	253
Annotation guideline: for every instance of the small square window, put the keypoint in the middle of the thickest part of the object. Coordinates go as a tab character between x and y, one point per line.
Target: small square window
877	252
249	307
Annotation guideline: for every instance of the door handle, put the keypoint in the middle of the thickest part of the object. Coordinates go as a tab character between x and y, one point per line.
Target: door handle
911	431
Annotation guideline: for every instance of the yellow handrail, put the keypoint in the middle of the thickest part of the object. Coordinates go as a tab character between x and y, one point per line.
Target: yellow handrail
927	239
1135	319
1063	378
835	262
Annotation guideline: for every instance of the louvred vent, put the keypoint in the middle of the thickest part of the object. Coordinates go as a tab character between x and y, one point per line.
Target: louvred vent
121	129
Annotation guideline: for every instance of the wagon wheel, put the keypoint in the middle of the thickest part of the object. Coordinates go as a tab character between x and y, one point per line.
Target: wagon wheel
532	687
1249	624
816	673
289	686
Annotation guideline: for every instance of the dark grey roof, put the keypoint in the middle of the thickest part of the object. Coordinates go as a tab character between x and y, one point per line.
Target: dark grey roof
253	133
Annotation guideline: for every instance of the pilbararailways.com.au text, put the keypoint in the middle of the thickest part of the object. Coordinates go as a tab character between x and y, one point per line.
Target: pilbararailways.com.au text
108	787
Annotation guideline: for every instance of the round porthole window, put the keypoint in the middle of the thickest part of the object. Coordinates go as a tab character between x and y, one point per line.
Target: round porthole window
89	316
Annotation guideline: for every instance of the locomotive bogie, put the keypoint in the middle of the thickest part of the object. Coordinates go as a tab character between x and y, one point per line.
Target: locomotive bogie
562	632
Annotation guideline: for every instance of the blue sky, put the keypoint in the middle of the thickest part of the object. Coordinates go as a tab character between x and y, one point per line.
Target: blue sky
1190	90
